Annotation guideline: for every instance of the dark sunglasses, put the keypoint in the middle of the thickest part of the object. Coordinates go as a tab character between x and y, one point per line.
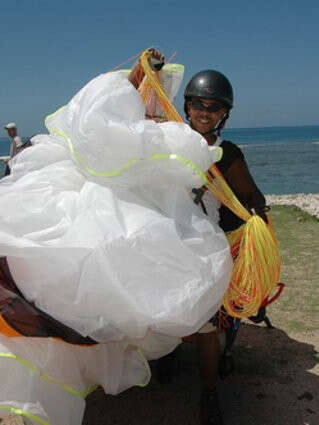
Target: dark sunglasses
199	106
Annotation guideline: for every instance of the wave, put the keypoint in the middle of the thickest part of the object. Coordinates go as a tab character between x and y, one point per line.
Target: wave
277	143
259	164
254	145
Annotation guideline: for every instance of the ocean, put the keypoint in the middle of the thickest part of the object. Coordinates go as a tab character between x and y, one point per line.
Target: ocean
282	160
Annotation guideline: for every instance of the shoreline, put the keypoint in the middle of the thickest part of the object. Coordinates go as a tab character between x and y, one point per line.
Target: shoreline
308	202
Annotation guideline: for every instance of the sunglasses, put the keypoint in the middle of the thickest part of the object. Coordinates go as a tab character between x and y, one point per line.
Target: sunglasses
199	106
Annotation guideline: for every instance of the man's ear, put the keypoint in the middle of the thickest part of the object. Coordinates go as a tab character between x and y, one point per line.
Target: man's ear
186	109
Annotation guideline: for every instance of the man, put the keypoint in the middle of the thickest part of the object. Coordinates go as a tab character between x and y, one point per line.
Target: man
16	141
15	144
208	101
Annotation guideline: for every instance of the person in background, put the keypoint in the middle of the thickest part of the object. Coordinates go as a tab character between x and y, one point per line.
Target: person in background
16	141
15	144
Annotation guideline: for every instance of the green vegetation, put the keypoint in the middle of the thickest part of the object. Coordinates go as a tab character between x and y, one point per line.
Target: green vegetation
297	309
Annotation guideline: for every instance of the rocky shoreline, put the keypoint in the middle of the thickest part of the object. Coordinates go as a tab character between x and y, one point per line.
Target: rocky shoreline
308	202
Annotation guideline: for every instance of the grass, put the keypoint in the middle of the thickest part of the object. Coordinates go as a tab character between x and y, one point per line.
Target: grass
297	310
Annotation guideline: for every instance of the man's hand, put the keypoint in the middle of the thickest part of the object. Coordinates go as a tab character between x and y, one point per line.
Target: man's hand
156	119
156	60
137	74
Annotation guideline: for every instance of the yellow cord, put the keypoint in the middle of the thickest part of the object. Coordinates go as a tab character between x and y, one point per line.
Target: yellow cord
257	262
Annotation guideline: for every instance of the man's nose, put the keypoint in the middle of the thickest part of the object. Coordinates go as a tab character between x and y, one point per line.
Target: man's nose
205	113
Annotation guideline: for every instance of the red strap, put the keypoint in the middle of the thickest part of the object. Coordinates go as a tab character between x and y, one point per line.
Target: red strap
268	301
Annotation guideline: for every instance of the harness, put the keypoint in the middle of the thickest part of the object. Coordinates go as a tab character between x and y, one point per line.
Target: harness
21	318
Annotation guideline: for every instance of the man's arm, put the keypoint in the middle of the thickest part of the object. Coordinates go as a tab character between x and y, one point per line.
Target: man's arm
136	75
15	145
240	180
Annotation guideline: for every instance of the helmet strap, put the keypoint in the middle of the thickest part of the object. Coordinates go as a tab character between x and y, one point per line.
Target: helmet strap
221	123
218	127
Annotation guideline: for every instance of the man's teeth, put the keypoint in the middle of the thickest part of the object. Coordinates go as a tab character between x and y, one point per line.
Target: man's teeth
204	121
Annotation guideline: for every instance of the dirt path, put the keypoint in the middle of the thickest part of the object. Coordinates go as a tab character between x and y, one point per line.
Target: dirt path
276	383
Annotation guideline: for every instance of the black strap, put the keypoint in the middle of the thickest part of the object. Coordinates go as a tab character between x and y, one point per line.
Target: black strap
199	198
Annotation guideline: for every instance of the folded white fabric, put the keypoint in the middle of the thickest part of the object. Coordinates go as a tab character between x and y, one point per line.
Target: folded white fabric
101	233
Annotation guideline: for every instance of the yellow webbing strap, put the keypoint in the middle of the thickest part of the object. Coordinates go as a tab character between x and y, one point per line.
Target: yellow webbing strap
25	413
152	78
48	378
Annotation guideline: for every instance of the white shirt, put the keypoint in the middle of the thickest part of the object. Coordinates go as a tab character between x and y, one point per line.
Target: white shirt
16	142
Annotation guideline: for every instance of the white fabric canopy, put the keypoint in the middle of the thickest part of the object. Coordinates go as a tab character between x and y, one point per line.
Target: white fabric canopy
101	233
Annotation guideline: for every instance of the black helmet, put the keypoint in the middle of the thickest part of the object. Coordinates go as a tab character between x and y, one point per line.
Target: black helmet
210	85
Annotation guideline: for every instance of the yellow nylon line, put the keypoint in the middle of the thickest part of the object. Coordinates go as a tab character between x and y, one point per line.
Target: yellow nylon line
220	153
169	110
172	68
130	161
121	70
25	413
46	377
185	161
97	173
59	133
54	113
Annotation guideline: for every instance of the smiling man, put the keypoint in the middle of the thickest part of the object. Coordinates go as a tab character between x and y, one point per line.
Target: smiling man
208	101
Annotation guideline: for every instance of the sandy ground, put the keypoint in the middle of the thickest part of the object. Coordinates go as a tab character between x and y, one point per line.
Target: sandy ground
307	202
11	420
276	382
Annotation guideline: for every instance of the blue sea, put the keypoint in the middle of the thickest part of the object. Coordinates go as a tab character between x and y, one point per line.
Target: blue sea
282	160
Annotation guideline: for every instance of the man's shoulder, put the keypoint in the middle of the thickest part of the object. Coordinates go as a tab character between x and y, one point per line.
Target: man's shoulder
230	145
231	152
230	148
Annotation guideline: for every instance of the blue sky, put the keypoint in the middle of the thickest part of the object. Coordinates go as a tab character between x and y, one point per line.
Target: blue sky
268	49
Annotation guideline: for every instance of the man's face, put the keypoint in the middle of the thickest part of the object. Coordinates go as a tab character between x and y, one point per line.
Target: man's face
12	132
202	119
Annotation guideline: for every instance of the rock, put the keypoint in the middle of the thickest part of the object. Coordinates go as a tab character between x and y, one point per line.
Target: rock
306	396
307	202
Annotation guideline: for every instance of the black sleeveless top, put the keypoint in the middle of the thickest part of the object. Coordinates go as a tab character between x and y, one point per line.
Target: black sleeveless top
228	220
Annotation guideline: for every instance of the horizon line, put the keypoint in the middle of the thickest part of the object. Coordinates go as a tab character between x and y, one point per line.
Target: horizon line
226	129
